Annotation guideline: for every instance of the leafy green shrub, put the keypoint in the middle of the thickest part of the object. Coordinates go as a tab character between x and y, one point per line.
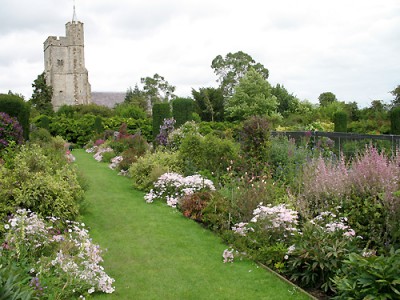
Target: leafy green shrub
44	184
148	168
107	156
340	121
16	107
216	215
182	110
98	125
254	137
209	153
319	251
14	281
161	111
127	110
78	131
66	110
140	126
395	120
176	136
93	109
369	277
40	136
43	121
286	159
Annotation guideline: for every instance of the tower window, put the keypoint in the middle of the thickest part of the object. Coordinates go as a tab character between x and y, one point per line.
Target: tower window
60	62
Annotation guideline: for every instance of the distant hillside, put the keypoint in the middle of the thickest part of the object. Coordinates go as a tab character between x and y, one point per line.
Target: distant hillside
108	99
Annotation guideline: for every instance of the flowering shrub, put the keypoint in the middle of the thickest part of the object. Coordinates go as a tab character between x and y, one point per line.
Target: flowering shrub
10	130
318	251
148	168
165	129
269	233
176	136
364	187
173	186
61	256
98	156
115	162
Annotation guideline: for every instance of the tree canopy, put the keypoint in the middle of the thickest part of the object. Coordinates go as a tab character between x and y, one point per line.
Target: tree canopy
157	89
252	97
396	94
231	68
136	97
42	94
326	98
210	103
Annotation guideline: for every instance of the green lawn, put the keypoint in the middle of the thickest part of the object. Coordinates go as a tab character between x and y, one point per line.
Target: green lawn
156	253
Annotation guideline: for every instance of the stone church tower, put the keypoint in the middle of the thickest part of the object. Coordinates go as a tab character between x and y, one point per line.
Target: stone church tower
65	70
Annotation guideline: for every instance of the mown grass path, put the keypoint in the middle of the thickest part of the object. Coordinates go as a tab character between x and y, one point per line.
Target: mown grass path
156	253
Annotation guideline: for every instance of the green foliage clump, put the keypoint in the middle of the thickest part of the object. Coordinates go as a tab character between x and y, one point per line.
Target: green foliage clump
93	109
41	182
317	255
128	110
252	97
14	281
209	104
209	154
161	111
286	159
176	137
340	121
41	96
254	137
369	277
15	106
148	168
395	120
98	125
182	110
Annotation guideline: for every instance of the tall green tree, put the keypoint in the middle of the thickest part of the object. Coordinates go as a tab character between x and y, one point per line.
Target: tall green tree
210	103
41	97
396	94
136	97
231	68
286	102
157	89
326	98
252	97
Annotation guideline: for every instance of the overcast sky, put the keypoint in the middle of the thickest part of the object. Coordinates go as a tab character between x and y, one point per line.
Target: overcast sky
348	47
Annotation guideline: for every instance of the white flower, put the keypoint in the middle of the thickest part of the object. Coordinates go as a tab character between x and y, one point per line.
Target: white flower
91	290
286	257
6	226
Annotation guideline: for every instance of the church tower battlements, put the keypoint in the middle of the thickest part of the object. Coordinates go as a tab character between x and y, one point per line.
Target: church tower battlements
65	70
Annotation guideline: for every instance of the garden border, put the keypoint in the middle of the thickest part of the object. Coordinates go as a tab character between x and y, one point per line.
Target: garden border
287	281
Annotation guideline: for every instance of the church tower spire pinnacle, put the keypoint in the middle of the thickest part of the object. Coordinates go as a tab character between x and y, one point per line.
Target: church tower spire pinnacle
74	19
